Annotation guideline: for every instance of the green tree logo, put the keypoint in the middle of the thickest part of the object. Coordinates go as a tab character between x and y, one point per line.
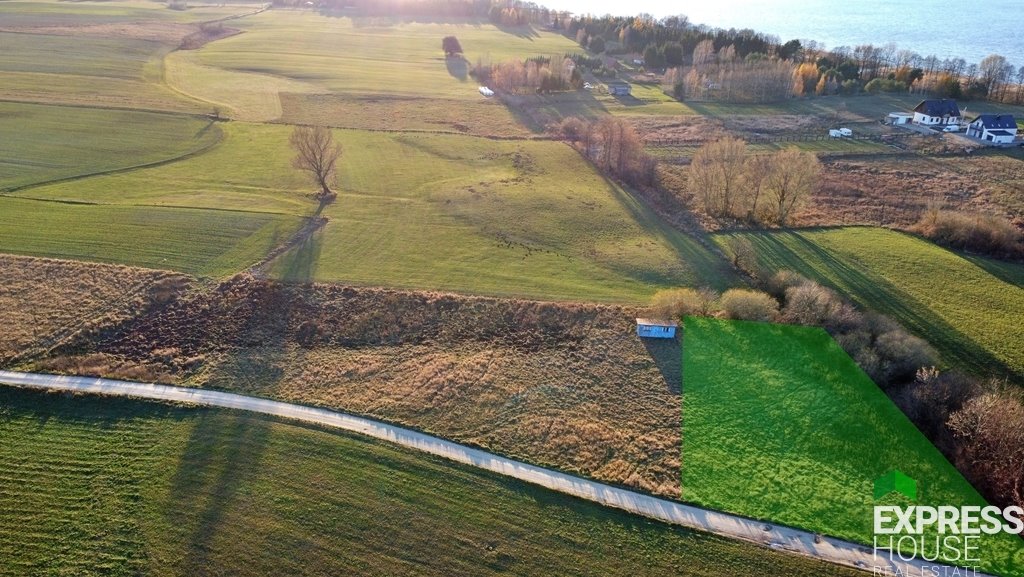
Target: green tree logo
895	481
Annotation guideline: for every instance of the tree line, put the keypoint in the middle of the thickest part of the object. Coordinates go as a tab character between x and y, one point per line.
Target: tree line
765	189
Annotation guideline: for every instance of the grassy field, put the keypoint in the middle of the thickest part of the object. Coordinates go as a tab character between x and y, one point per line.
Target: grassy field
967	308
780	424
526	218
110	70
40	143
92	486
359	63
650	100
503	218
249	170
203	242
18	14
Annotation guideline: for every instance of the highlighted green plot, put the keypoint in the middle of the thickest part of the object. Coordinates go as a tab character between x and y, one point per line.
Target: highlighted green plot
780	424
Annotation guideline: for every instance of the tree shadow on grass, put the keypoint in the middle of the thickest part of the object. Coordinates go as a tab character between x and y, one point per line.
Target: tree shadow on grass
300	264
458	67
222	453
876	293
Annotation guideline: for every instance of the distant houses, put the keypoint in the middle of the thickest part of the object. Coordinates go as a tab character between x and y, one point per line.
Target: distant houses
994	128
618	87
937	112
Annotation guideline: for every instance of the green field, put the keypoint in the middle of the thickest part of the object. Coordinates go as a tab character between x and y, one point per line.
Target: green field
203	242
470	214
92	486
82	12
298	53
526	218
107	70
249	170
780	424
969	308
40	143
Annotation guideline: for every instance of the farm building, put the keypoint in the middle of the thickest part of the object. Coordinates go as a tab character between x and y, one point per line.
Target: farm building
618	87
937	112
994	128
897	118
656	329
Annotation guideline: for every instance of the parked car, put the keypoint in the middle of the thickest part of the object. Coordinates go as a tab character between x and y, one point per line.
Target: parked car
951	128
845	132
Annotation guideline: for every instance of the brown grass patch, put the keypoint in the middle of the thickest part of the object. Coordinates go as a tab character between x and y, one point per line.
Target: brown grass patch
896	191
564	385
48	302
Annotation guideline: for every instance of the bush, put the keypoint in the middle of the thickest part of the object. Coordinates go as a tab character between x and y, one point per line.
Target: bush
812	304
778	283
981	233
749	305
676	303
901	355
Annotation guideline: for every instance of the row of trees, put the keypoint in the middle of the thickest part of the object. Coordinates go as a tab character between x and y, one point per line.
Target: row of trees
675	43
728	182
614	146
541	74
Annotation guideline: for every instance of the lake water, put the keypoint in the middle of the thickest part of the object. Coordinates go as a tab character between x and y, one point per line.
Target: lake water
969	30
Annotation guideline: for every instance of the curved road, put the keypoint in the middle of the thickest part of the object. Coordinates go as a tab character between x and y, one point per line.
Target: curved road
774	536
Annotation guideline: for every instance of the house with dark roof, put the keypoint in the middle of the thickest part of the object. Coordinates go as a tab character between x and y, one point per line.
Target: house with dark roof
937	112
618	87
994	128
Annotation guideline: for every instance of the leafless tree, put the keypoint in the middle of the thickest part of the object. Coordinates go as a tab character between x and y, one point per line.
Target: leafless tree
318	154
791	180
716	175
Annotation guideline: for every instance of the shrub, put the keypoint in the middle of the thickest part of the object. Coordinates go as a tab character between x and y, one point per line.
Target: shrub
778	283
810	303
676	303
901	355
981	233
749	305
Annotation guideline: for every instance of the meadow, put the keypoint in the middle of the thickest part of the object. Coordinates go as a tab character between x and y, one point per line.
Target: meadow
451	212
44	143
524	218
203	242
114	69
103	486
21	14
967	307
780	424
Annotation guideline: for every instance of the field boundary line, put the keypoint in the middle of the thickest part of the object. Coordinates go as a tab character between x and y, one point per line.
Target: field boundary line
775	537
154	164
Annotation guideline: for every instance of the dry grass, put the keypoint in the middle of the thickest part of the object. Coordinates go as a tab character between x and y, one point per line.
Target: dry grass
564	385
45	302
896	191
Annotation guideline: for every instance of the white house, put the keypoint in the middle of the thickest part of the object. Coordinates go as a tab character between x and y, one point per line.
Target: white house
937	112
994	128
656	328
897	118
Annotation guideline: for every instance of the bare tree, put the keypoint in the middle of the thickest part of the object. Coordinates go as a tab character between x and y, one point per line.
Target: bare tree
791	180
716	175
317	154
